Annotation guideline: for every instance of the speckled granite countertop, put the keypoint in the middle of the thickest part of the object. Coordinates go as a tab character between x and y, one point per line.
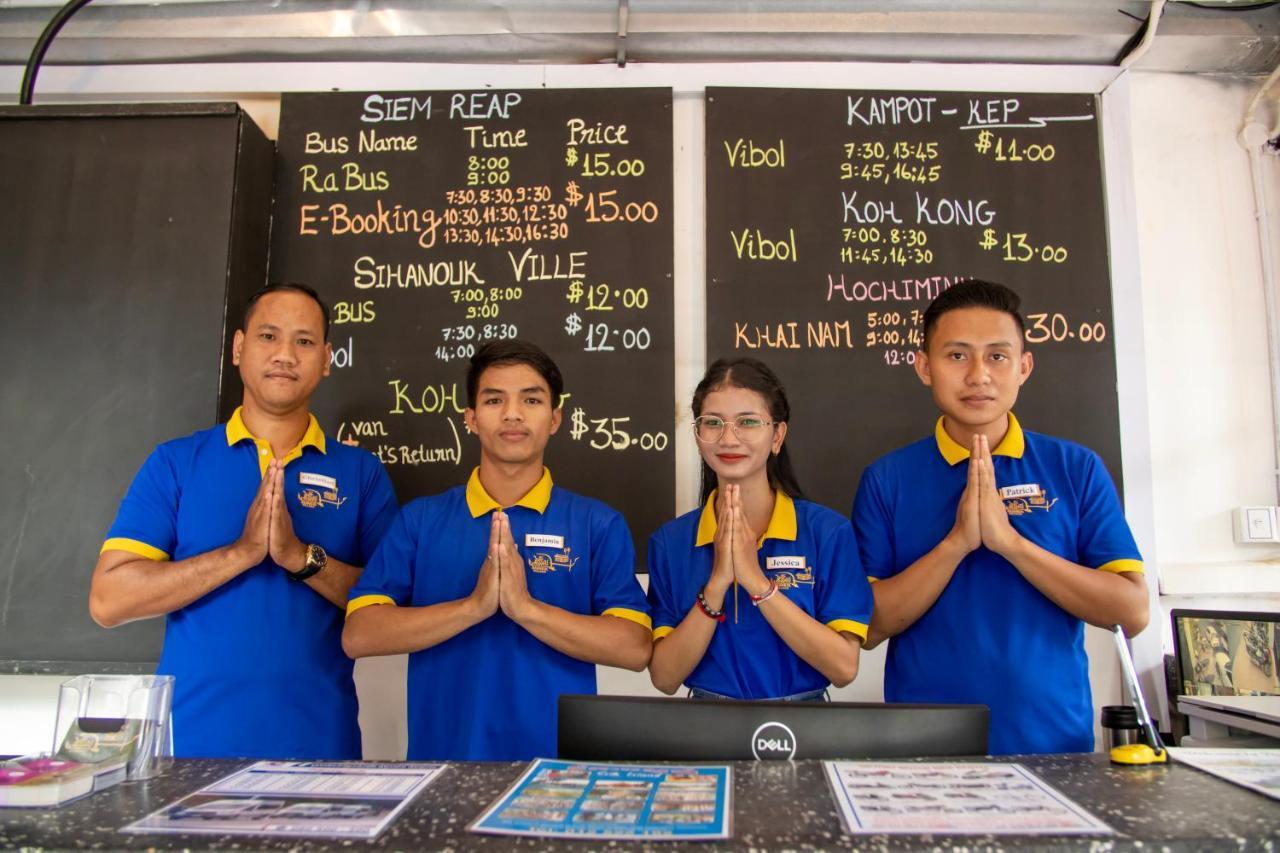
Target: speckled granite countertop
777	806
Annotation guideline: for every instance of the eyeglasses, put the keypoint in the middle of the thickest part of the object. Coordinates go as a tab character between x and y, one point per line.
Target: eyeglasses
709	428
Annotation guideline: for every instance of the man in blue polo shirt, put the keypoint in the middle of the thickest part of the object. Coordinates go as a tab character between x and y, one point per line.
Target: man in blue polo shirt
985	571
505	592
247	537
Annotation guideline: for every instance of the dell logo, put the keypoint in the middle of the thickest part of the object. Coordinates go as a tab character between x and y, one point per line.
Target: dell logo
773	742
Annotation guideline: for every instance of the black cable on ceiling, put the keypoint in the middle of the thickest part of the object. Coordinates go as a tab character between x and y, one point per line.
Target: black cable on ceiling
42	46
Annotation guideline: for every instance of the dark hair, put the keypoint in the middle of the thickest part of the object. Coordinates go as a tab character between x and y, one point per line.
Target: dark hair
285	287
753	375
514	351
974	293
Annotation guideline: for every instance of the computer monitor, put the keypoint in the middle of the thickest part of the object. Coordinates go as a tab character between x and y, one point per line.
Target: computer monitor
606	728
1226	652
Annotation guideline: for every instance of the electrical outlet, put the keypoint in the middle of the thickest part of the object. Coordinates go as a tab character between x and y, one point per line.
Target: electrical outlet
1256	524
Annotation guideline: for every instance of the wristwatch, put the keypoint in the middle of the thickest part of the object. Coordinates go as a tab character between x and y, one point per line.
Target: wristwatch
316	560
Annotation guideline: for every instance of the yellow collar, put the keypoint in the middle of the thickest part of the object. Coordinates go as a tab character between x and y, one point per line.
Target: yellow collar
238	432
479	501
1013	444
782	524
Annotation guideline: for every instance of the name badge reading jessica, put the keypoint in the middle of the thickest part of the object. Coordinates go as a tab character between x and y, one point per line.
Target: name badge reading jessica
784	562
543	540
318	480
1024	491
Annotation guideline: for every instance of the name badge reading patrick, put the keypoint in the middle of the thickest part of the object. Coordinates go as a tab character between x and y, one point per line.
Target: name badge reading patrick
1024	491
320	480
784	562
543	540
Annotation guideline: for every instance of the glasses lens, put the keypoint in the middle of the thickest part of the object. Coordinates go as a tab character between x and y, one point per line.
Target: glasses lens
748	425
708	428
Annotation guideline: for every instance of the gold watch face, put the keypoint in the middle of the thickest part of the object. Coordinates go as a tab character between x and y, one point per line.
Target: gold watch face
315	557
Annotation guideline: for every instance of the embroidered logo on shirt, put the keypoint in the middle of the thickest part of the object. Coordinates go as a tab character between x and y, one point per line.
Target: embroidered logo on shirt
327	495
543	563
789	572
1021	500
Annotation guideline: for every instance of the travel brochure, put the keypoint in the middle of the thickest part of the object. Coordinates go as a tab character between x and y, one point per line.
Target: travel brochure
573	799
1255	769
948	798
320	799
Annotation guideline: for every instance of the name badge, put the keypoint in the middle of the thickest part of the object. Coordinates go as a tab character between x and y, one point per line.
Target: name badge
1026	490
543	540
784	562
318	480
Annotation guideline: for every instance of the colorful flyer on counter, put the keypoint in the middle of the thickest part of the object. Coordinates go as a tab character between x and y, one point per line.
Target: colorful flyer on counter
571	799
942	798
321	799
1255	769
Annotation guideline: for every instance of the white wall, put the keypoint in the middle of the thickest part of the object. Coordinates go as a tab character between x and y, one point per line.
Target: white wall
1196	422
1211	441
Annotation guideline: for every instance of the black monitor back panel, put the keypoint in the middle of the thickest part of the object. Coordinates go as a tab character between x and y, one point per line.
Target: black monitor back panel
600	728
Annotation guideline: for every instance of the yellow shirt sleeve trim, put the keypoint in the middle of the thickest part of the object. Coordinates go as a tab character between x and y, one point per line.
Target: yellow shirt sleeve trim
1119	566
364	601
659	633
872	580
133	546
849	627
631	616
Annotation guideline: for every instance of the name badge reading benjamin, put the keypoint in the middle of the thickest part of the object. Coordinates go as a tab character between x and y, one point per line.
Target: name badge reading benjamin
784	562
543	540
1026	490
318	480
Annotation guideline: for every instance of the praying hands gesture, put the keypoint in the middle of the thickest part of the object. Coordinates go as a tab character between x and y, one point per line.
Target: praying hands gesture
737	561
736	558
502	584
1097	597
981	518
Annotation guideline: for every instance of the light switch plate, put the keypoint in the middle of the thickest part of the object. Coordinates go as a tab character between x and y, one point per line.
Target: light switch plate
1255	524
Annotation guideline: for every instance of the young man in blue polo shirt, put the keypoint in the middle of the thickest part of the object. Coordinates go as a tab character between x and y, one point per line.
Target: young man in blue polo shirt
505	592
247	537
990	546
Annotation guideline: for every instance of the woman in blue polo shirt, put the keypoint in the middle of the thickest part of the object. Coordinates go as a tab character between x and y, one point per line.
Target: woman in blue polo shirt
759	594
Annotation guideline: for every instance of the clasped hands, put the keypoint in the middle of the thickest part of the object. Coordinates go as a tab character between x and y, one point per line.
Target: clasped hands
268	527
736	552
502	584
981	517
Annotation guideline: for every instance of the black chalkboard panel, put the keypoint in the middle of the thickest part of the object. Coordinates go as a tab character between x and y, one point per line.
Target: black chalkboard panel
834	217
125	233
433	221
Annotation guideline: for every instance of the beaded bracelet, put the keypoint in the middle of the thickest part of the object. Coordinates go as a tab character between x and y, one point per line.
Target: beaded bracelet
717	615
757	599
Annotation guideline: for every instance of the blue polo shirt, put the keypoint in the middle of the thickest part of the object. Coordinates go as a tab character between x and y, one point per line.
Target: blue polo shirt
258	662
992	638
808	549
490	692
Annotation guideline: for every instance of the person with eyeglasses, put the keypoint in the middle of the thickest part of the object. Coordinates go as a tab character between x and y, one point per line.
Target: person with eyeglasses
758	594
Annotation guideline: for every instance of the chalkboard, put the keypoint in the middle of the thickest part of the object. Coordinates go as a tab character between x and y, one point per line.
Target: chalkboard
125	234
834	218
433	221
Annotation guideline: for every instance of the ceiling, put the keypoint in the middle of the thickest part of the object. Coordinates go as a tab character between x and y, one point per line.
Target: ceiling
1223	37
